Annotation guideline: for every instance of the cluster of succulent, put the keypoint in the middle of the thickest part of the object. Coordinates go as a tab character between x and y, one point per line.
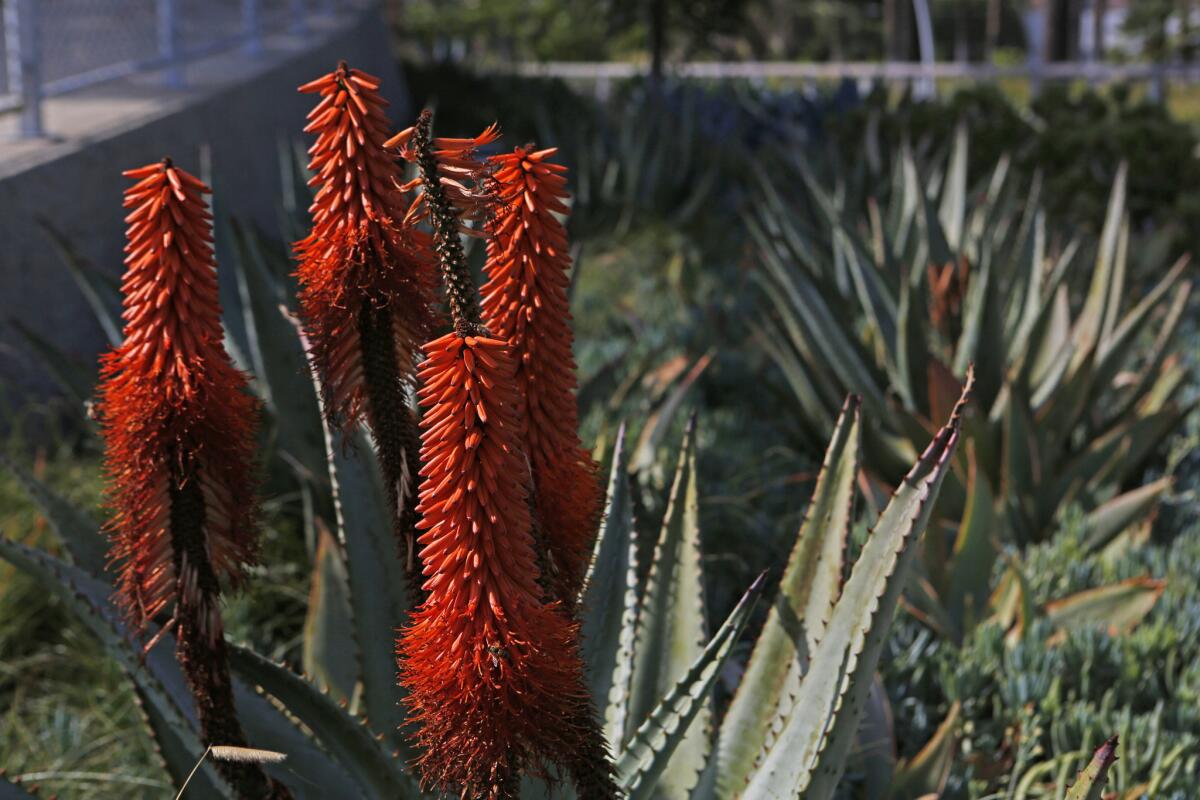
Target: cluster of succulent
1078	385
481	619
1074	137
1018	703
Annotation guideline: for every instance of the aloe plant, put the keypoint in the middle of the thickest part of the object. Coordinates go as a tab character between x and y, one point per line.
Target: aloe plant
803	714
790	730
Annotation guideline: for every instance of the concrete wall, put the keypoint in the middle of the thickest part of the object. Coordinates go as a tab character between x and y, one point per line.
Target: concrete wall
237	108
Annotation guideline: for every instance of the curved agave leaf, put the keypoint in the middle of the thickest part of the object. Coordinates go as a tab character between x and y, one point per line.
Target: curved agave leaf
928	770
330	652
378	774
1090	783
78	534
953	209
974	553
101	291
77	380
797	619
277	357
648	754
1103	297
1106	522
1116	608
809	755
671	624
608	627
377	579
87	597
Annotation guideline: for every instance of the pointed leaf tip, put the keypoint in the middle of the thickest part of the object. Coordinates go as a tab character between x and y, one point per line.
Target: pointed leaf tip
1090	783
964	398
758	584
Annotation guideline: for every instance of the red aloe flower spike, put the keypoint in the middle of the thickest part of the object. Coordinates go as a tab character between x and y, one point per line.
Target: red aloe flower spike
368	280
525	303
178	428
493	670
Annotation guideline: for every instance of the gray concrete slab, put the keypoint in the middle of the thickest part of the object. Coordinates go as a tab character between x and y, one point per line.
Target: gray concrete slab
236	108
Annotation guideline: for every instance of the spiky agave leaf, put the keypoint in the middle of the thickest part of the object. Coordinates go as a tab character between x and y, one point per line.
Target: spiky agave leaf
811	583
647	756
1090	783
808	757
672	626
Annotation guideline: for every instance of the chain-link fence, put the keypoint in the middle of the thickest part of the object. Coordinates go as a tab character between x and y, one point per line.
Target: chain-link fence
51	47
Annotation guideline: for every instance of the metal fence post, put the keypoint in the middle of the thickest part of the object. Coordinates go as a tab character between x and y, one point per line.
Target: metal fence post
924	88
168	43
252	20
298	11
24	62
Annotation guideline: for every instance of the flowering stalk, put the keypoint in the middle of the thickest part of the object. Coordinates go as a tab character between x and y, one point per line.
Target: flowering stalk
443	216
525	303
179	428
492	668
368	281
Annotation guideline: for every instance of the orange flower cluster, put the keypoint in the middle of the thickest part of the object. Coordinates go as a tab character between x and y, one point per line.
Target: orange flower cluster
175	413
368	281
179	434
364	263
493	671
525	303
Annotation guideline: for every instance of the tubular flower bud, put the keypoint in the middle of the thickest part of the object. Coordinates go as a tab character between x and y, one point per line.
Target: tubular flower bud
492	669
460	169
368	279
525	303
178	427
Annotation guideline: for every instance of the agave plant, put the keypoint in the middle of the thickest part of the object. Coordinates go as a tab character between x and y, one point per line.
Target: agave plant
652	665
806	707
894	296
633	643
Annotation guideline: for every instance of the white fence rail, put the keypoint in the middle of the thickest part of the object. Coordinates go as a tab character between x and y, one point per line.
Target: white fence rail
1157	75
860	70
51	47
